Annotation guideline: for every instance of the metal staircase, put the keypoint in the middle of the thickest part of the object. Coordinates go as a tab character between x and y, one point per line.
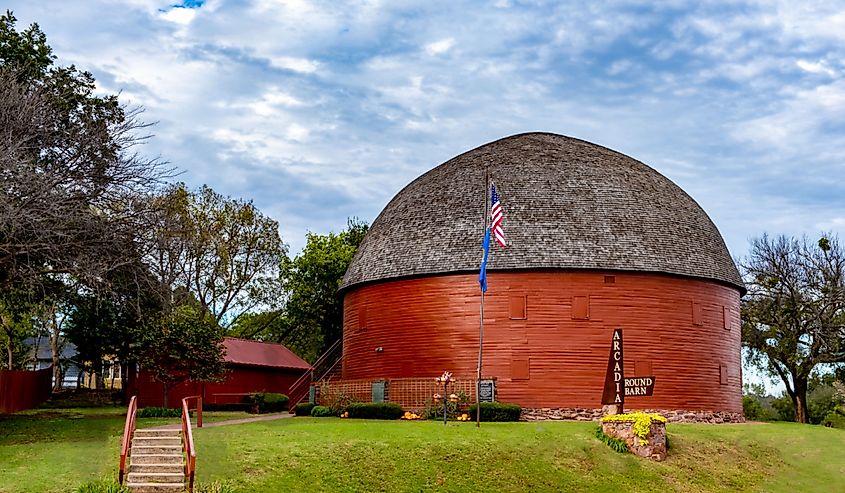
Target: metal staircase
327	366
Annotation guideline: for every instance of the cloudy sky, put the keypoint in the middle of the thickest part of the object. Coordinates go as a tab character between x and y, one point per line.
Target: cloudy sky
323	110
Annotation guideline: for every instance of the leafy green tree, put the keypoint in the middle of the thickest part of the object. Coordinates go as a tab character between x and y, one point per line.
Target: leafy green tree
314	308
793	319
223	252
16	322
185	344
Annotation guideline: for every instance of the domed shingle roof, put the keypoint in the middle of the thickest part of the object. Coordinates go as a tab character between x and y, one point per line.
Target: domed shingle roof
568	204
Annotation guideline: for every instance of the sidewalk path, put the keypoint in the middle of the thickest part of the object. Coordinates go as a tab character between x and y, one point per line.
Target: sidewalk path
266	417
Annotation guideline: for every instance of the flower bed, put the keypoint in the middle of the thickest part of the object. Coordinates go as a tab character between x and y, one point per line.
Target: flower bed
644	433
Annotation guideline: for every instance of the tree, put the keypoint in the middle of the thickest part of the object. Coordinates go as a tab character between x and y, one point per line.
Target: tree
793	318
185	344
70	182
314	308
223	252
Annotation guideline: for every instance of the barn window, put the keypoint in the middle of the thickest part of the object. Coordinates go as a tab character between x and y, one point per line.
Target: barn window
580	308
517	307
362	318
723	374
726	318
696	314
610	279
520	368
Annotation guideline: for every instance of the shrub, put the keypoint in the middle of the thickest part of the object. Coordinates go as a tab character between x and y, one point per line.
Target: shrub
614	443
303	409
103	486
752	409
835	419
322	412
335	399
784	407
159	412
497	411
375	410
267	402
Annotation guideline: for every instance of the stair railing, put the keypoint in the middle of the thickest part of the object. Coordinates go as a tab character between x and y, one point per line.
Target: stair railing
128	433
298	391
188	442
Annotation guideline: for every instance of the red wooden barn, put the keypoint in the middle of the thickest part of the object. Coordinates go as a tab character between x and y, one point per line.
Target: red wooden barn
253	366
596	241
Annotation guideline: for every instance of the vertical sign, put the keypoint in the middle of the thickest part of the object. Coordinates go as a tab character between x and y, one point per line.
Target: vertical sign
614	381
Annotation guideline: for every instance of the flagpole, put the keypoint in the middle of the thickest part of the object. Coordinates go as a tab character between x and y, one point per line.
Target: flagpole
481	318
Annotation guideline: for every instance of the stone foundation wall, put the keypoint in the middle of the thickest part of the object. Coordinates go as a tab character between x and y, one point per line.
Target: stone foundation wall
655	446
673	416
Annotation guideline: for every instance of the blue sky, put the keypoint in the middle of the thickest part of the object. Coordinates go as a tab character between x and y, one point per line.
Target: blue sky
319	111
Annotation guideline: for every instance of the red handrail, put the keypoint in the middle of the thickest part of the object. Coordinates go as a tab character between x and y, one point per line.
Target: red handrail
128	433
188	445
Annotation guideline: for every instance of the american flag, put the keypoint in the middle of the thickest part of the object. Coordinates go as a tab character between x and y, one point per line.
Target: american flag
496	216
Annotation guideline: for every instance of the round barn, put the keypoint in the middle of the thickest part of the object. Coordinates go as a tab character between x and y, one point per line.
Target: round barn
596	241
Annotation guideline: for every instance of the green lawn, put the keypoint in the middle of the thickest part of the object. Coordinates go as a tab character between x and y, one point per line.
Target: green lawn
49	451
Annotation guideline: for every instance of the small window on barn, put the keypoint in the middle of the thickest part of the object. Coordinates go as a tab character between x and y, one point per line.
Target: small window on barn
517	307
726	318
723	374
610	279
520	368
642	368
362	318
580	308
697	318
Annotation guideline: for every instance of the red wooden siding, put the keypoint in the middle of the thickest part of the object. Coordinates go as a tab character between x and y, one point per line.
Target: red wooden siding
551	358
21	390
239	380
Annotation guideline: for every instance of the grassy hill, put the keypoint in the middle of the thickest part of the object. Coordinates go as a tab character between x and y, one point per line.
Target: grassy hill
52	451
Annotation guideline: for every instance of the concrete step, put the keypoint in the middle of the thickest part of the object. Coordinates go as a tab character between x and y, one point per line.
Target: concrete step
146	432
154	441
155	477
173	467
156	487
139	458
157	449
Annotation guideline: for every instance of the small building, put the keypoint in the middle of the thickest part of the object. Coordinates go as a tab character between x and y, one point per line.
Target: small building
252	366
41	357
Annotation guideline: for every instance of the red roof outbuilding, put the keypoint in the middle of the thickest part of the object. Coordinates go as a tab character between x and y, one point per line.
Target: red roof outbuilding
256	353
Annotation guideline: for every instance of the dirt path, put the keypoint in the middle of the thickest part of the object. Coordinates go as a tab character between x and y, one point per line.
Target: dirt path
266	417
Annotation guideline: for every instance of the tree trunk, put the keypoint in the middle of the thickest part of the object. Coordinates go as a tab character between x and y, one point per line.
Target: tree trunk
55	353
10	353
800	401
166	389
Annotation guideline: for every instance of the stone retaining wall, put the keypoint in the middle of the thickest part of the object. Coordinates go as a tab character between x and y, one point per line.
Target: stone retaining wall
654	447
674	416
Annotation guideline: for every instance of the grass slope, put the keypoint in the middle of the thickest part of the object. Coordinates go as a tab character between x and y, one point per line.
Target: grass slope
348	455
56	450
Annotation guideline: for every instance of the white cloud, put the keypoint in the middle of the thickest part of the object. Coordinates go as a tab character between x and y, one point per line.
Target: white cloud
297	132
302	65
179	15
291	102
819	67
439	47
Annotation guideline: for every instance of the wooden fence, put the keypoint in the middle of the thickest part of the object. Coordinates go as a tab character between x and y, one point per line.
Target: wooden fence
21	390
410	393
